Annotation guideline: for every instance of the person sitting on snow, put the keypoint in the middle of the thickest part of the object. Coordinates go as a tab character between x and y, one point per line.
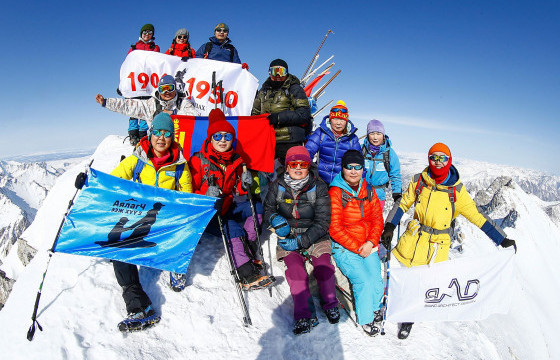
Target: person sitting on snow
438	196
217	171
161	156
331	140
166	99
356	226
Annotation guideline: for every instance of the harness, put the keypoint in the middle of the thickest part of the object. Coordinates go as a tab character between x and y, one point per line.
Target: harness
210	44
346	198
386	164
140	166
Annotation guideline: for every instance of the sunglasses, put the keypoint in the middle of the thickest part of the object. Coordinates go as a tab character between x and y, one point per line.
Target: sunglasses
278	71
440	158
147	32
350	167
222	31
166	88
335	110
182	37
219	136
158	133
300	164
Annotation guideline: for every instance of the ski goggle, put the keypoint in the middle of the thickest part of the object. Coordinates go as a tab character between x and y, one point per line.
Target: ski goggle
147	32
219	136
300	164
278	71
440	158
185	37
340	110
166	88
350	167
158	133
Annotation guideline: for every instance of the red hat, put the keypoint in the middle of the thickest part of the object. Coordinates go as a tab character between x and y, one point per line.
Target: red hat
439	147
297	153
217	122
339	114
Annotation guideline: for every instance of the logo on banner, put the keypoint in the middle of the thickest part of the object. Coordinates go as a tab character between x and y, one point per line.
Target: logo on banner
140	229
434	298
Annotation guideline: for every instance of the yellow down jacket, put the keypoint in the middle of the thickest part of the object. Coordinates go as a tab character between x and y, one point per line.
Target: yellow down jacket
429	230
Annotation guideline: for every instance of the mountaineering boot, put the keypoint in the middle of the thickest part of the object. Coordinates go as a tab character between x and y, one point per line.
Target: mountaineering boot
142	133
333	315
404	331
378	316
178	282
371	329
139	320
305	325
133	137
257	281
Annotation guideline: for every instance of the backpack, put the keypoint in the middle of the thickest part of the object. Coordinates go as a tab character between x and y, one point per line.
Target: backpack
140	166
209	46
452	192
386	163
311	196
347	198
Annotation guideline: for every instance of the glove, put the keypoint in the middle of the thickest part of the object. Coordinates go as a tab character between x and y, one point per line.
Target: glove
273	119
246	180
280	225
184	58
290	243
245	66
80	180
507	243
213	191
387	236
397	197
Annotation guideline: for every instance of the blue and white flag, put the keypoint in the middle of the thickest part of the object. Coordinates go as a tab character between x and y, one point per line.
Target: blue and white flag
134	223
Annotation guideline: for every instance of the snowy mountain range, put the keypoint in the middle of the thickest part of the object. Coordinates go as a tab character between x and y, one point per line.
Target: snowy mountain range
81	301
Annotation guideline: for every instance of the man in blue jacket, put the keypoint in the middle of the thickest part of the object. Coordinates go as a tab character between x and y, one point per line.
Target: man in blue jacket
219	47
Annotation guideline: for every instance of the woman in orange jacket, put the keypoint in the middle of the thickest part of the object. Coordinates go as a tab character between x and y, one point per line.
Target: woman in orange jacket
356	226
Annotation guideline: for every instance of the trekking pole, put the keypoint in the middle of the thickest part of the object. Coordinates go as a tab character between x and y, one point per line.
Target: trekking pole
317	53
214	90
324	86
256	224
78	183
348	297
220	86
233	270
387	270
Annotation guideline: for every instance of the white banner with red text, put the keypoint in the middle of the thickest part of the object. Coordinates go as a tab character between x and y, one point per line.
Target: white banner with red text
141	71
470	288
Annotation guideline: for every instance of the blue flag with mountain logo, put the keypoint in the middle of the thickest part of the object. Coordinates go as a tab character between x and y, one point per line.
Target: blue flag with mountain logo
122	220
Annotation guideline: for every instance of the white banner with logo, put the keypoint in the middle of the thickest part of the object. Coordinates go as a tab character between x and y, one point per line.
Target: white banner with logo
141	71
455	290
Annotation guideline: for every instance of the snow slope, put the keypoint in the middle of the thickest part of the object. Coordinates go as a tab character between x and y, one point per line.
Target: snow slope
81	301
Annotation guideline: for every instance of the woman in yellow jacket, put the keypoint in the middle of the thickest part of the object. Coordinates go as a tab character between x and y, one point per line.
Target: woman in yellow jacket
438	196
156	161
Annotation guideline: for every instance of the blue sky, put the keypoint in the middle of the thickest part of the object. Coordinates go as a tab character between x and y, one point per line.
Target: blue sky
481	76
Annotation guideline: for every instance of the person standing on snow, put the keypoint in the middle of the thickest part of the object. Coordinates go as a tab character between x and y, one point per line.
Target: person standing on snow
284	99
356	226
297	207
167	99
162	157
137	127
217	171
219	47
331	140
180	46
439	197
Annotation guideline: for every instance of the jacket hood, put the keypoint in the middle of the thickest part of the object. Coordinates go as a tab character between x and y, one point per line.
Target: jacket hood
453	179
339	182
383	148
326	127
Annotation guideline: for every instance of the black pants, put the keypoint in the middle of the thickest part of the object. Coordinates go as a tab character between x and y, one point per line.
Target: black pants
134	296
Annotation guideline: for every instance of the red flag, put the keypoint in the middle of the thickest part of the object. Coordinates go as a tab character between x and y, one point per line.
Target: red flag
255	138
309	88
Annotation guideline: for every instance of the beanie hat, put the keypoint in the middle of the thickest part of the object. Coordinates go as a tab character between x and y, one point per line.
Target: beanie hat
148	27
163	121
338	114
352	157
221	26
217	122
297	153
182	31
375	126
166	80
279	62
439	147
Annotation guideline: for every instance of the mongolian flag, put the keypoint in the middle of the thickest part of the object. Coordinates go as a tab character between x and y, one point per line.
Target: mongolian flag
122	220
255	140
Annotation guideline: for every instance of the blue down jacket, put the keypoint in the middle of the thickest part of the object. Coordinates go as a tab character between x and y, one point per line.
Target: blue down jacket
331	148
